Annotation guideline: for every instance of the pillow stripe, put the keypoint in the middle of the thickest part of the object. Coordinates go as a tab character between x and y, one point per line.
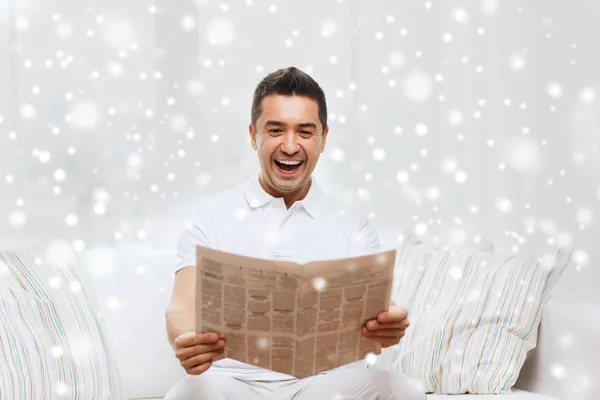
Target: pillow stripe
487	302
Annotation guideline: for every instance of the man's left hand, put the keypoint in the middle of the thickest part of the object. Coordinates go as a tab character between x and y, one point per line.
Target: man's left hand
389	326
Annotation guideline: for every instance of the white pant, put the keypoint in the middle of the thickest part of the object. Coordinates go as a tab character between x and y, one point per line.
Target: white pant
349	384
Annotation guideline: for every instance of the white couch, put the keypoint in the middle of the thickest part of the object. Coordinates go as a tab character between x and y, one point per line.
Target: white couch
565	365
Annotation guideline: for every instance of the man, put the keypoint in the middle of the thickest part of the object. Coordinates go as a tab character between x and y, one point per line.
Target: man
279	214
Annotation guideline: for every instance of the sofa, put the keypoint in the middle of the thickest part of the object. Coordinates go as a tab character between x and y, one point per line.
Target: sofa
133	287
564	365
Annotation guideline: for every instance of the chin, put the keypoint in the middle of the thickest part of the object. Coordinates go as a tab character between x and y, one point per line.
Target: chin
287	186
290	184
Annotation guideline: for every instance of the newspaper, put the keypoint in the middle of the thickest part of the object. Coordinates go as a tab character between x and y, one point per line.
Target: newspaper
297	319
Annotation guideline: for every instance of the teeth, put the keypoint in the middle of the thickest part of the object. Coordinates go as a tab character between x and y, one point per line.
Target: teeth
289	162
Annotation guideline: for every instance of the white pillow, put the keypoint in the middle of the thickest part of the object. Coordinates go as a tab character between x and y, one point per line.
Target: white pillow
52	343
474	315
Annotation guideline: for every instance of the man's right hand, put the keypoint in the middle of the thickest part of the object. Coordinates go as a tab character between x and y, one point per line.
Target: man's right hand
196	351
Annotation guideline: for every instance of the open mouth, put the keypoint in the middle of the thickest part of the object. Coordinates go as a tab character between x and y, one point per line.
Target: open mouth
288	166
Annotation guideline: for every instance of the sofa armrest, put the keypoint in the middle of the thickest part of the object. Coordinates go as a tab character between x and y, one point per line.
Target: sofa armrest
566	360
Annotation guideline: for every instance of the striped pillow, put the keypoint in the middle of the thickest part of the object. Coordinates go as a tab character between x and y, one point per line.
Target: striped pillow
474	315
51	342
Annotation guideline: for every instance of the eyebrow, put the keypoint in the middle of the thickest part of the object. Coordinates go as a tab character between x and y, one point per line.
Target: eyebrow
302	125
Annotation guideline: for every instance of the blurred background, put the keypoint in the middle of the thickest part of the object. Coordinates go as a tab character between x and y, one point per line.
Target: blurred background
463	122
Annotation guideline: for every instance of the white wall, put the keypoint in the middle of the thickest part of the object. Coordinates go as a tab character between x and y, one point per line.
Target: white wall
540	55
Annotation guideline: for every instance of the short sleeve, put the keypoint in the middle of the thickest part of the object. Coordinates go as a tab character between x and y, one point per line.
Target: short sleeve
364	240
199	231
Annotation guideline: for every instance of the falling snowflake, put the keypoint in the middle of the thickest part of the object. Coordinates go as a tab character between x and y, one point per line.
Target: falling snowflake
584	216
554	90
319	284
397	59
447	37
378	154
421	129
75	287
71	220
587	96
448	165
421	229
99	208
17	219
61	388
558	371
418	87
263	343
524	155
188	23
371	359
490	7
28	111
460	15
503	204
113	303
456	273
56	351
517	62
402	176
220	32
328	28
460	176
455	117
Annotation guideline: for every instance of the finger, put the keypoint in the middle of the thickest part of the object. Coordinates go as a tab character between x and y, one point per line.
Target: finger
385	342
200	359
384	333
389	344
187	352
190	339
395	314
374	325
200	369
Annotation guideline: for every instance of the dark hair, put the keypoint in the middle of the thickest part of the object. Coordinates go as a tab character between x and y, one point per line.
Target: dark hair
289	82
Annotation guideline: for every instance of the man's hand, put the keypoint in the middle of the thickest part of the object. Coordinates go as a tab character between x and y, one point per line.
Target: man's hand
389	326
196	351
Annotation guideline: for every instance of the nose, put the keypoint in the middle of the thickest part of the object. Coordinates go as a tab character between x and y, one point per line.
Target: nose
289	143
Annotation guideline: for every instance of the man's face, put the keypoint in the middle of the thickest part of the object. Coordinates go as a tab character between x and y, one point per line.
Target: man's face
289	139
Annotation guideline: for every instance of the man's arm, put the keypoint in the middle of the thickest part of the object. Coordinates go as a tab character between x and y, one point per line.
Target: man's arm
180	312
389	326
195	351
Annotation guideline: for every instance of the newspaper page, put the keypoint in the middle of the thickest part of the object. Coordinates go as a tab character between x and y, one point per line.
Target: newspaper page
297	319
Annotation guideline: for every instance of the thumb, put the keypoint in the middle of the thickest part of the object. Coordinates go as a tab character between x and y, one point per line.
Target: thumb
395	314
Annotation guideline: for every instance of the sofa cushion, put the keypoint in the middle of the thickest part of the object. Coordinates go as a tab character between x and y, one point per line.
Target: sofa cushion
135	285
474	315
515	395
566	360
52	344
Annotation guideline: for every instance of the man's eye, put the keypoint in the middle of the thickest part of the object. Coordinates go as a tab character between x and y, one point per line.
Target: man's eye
275	130
306	133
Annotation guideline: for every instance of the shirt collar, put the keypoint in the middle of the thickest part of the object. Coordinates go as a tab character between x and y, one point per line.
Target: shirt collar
314	203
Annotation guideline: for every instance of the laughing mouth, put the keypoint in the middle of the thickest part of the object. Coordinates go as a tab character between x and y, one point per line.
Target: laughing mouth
289	165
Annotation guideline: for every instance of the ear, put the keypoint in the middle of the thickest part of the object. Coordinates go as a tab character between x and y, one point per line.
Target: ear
252	136
324	141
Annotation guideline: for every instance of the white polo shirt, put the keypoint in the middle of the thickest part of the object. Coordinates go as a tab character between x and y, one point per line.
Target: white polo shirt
248	221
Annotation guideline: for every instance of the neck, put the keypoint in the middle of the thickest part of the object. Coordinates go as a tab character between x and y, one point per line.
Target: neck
288	198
